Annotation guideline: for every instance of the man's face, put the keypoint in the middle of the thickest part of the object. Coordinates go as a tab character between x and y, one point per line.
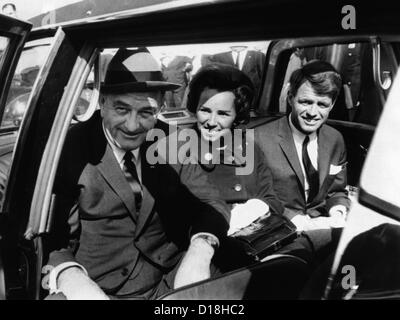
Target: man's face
128	117
9	11
309	109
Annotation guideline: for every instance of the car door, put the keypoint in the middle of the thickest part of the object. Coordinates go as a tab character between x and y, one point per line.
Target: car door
374	218
13	34
25	143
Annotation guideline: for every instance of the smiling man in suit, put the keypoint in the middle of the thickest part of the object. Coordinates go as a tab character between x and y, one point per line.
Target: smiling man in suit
307	157
122	227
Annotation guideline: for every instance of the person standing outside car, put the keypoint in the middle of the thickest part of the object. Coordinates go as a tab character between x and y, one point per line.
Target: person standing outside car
251	62
307	157
124	228
9	9
177	70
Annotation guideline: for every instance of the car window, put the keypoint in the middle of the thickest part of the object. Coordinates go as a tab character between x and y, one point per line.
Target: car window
179	64
31	60
5	148
3	47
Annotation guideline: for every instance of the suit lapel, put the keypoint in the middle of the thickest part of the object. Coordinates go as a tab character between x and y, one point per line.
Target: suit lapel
113	174
324	152
246	60
229	58
148	183
287	145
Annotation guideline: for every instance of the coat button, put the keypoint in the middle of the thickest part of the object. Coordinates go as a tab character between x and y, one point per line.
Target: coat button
125	272
238	187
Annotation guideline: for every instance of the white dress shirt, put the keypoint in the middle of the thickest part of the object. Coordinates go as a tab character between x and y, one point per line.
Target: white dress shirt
242	56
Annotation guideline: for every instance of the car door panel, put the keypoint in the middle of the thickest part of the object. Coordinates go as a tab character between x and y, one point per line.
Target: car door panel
32	138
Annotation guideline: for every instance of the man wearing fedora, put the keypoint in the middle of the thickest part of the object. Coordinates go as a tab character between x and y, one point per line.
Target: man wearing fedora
124	228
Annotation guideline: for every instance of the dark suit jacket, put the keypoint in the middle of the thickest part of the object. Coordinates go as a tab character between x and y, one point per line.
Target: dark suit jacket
253	65
176	71
95	218
238	188
276	141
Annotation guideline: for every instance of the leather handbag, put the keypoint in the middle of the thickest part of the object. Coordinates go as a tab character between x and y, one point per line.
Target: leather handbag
266	235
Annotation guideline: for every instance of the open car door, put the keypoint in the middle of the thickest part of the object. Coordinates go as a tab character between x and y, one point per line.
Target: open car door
366	264
20	270
13	35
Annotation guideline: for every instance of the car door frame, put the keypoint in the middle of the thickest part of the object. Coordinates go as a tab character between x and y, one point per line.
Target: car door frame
17	32
24	253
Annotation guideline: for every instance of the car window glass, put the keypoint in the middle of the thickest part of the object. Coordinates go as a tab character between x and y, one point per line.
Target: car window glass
3	46
181	62
5	158
88	99
85	97
31	60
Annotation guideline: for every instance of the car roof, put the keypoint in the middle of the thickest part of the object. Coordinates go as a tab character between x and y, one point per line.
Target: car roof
232	20
85	11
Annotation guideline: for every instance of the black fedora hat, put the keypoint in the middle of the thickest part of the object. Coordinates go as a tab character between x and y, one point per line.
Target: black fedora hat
134	71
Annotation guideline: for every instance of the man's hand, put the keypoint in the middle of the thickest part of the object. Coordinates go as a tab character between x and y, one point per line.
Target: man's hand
305	223
195	265
76	285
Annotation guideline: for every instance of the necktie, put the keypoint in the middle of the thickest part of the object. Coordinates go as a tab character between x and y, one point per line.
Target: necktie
133	178
311	173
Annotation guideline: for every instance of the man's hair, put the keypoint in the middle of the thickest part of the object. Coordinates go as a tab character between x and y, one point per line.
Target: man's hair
322	76
223	77
12	5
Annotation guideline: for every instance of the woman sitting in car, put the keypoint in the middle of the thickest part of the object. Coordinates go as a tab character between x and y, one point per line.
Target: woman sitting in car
220	96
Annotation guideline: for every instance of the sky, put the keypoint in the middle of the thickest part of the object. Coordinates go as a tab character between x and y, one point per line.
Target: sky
29	8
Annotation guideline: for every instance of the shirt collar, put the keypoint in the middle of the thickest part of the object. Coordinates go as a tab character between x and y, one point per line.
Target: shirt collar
118	152
242	53
297	135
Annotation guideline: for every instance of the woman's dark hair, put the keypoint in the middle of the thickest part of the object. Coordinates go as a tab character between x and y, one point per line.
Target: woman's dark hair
223	77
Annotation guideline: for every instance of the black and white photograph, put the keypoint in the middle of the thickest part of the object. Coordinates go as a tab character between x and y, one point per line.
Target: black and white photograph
212	151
